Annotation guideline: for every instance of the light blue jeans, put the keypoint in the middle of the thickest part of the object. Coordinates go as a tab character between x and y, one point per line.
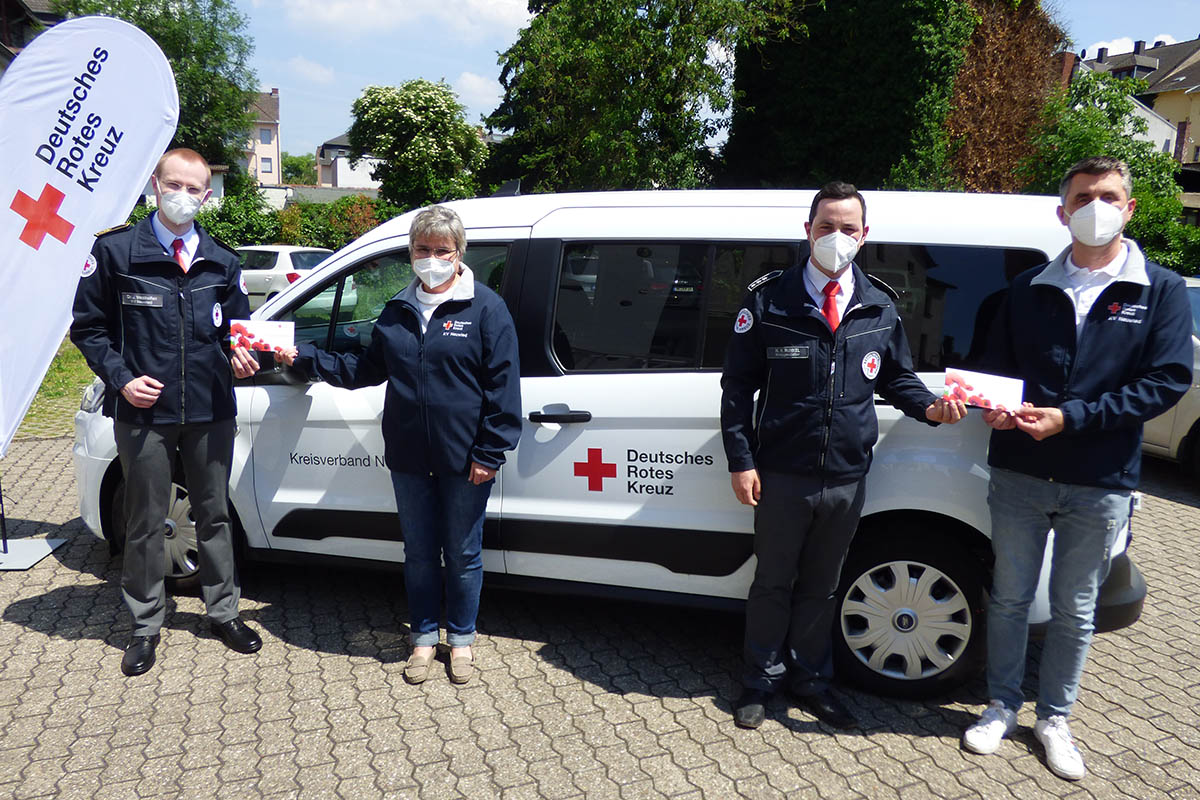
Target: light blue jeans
1086	521
441	518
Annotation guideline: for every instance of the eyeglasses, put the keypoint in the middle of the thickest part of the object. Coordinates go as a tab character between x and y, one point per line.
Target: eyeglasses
425	252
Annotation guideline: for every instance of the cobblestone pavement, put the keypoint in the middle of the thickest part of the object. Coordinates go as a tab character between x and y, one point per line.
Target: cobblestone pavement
574	698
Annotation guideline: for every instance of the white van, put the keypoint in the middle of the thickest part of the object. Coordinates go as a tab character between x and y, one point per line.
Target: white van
623	304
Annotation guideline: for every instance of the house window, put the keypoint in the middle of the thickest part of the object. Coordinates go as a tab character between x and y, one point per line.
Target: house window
266	166
264	135
1196	155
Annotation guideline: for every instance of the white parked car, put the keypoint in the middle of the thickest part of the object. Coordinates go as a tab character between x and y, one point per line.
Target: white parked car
1176	434
623	304
271	268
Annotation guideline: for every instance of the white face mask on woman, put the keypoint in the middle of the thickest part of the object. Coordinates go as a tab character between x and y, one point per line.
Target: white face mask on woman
433	272
1097	223
834	251
180	207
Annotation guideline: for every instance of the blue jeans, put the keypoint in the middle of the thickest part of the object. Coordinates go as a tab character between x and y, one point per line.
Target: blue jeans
1086	522
441	517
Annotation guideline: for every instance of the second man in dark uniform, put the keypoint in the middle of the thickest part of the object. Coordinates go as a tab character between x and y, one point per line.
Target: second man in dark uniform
816	342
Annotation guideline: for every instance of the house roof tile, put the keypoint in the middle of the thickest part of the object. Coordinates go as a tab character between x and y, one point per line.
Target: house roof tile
1178	65
265	107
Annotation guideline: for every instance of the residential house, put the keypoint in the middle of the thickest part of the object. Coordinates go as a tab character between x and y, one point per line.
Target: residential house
263	160
1173	74
1160	131
334	169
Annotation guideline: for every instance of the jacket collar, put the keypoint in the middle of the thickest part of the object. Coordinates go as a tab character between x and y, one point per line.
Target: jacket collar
146	248
793	295
1133	271
464	289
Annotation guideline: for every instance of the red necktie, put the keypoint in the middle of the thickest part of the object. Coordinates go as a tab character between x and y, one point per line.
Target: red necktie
830	308
180	256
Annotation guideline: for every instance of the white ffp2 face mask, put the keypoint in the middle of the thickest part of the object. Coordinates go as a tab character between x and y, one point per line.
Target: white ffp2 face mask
180	207
1097	223
835	250
433	272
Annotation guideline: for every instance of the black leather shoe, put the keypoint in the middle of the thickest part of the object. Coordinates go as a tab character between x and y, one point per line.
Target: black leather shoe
827	708
237	635
751	708
139	655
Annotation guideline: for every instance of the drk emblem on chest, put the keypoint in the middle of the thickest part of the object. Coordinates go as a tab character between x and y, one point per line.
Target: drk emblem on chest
870	364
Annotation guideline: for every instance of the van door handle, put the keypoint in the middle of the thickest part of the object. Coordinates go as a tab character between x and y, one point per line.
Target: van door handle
565	416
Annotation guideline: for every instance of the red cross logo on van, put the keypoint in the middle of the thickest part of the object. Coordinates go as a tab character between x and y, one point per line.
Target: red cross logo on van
595	469
1114	308
41	216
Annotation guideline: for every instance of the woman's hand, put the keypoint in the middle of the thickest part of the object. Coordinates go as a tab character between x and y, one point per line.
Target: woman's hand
480	474
287	355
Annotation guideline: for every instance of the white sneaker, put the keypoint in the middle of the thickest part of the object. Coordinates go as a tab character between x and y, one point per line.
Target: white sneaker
1062	756
995	723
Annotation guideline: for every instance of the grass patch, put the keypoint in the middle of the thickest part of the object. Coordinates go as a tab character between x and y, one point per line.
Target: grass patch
53	409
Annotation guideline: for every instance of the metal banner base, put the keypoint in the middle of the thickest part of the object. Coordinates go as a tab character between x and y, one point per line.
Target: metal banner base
24	553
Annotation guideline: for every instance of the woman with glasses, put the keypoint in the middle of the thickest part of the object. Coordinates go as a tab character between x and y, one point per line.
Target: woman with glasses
447	348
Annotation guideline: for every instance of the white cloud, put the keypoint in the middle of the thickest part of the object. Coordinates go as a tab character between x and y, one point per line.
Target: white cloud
1122	45
311	71
479	94
1125	44
471	19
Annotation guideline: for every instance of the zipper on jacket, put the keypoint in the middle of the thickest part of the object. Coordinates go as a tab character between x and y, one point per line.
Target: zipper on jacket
421	372
182	357
828	406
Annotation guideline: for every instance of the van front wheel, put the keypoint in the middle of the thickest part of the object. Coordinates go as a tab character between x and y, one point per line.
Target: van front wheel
909	614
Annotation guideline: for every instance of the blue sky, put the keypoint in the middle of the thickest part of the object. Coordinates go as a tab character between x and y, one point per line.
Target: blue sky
320	54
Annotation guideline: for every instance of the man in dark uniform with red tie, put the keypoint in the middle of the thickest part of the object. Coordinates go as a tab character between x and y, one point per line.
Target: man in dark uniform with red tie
816	342
151	317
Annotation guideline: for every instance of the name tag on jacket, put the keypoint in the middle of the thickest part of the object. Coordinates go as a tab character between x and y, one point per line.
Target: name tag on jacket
146	300
791	351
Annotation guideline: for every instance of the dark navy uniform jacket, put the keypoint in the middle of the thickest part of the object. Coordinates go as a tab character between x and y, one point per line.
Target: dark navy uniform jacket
453	393
1131	362
815	413
137	313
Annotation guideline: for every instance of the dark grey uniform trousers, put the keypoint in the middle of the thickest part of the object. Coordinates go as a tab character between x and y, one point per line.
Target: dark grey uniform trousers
147	454
802	531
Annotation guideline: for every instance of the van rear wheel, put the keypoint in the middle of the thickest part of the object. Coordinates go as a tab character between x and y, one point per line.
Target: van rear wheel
909	614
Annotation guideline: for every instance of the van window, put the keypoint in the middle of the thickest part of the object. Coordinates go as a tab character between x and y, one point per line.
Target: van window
735	267
949	295
630	306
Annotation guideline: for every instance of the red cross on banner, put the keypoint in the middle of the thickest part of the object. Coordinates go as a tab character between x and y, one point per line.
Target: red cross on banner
42	217
595	469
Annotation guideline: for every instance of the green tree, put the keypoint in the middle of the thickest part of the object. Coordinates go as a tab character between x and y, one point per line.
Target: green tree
614	94
863	97
427	150
240	219
1095	116
209	48
299	169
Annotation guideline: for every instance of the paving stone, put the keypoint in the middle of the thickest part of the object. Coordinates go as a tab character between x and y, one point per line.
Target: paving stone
573	698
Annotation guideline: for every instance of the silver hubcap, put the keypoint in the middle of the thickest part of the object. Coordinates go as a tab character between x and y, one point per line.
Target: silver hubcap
906	620
182	557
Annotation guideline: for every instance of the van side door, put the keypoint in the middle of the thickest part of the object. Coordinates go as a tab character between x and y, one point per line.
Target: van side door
620	477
